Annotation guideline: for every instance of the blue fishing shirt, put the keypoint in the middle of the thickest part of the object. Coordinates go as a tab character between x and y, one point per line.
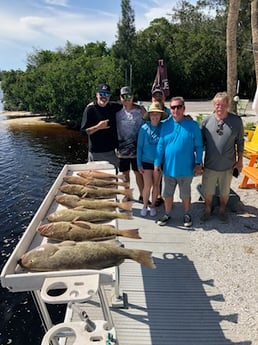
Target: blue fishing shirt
180	147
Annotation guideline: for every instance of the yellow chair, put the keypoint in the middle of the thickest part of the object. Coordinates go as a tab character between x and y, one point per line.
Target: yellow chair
251	145
250	172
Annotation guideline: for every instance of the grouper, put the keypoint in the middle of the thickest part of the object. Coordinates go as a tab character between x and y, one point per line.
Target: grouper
90	181
94	192
100	174
67	215
73	201
70	255
84	231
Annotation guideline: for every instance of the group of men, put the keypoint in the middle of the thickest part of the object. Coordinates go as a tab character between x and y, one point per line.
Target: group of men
113	138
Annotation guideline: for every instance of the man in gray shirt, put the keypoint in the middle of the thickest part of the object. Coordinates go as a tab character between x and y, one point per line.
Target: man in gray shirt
223	137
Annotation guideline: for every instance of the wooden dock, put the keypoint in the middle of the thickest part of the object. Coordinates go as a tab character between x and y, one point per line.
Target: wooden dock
178	302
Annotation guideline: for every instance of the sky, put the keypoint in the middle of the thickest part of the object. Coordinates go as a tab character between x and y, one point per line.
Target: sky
26	25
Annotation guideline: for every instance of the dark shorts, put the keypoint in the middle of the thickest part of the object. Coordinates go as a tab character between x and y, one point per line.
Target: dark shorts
126	164
147	166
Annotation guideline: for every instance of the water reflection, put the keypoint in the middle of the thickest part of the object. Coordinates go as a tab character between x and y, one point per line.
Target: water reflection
31	157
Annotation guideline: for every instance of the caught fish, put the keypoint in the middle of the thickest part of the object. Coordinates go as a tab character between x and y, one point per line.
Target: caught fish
84	231
73	201
95	192
67	215
70	255
90	181
99	174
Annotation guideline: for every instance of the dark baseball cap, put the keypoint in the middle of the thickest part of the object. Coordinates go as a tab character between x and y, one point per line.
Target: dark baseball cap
103	87
126	90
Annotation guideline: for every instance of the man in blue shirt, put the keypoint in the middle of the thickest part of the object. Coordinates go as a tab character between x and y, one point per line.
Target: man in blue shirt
180	150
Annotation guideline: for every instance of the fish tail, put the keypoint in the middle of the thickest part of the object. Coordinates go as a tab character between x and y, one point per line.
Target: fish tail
124	184
143	257
124	215
131	233
127	205
128	193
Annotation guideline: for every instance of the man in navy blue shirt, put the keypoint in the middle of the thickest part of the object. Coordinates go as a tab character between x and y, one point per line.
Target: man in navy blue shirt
99	122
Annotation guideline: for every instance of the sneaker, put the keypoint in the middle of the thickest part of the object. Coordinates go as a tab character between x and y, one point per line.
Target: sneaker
163	220
187	220
144	212
153	212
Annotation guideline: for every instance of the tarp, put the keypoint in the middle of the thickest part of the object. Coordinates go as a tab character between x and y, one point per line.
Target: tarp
161	79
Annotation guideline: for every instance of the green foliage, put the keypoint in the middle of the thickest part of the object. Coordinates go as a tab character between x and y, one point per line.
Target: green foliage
124	45
191	42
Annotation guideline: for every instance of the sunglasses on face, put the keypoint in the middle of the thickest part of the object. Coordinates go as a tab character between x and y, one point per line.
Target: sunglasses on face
220	128
104	94
127	96
179	106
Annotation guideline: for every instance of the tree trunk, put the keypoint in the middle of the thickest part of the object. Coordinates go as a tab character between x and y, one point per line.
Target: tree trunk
232	22
254	26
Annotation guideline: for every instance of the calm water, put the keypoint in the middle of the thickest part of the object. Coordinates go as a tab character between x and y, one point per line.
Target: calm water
31	157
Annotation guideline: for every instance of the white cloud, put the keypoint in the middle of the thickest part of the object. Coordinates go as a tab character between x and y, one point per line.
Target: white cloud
57	2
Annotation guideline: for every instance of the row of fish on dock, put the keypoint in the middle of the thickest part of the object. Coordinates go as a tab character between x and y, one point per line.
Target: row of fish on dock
85	242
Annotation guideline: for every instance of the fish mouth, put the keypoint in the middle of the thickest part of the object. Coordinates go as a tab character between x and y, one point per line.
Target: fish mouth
19	262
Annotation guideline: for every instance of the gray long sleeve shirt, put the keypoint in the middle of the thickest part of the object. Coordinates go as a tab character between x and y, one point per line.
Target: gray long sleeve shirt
222	141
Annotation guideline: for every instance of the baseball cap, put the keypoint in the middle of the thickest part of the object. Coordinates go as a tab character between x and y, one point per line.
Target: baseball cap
125	90
103	87
156	91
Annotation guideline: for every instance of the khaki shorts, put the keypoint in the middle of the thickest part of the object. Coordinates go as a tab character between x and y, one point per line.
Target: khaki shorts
212	178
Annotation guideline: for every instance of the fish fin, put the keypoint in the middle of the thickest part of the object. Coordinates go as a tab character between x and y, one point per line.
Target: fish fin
143	257
82	208
131	233
127	205
102	239
66	243
81	223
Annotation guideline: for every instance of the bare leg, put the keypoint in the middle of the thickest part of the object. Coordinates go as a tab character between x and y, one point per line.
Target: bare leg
208	206
168	202
147	178
208	203
186	204
156	187
139	181
126	176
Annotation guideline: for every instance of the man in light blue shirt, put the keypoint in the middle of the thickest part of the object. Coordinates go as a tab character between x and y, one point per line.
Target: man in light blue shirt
180	151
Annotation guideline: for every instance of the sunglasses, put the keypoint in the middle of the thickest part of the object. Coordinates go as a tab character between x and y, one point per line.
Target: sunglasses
127	96
220	128
104	94
179	106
